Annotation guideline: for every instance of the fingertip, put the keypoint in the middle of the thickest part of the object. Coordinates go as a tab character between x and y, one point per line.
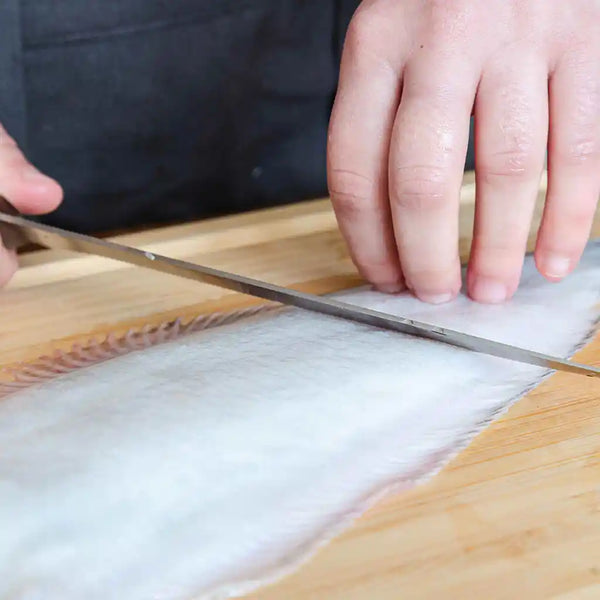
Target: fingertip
36	194
488	289
443	298
554	266
434	294
436	286
387	278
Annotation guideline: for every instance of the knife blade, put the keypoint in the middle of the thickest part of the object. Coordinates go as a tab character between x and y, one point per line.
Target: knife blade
16	231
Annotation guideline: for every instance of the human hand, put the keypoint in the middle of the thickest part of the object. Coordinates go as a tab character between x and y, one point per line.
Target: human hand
28	190
412	73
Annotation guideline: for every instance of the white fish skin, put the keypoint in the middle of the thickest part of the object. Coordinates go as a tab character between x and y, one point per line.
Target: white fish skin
206	466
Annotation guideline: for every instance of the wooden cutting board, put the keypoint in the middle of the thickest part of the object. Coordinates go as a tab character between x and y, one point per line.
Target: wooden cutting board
516	515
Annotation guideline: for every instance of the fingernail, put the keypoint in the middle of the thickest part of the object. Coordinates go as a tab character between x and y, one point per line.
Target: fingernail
556	266
435	298
390	288
489	291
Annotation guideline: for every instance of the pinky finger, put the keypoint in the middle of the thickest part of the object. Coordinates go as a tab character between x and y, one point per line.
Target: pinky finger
573	168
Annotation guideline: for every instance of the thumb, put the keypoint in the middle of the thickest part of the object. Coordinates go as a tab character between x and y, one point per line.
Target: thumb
28	190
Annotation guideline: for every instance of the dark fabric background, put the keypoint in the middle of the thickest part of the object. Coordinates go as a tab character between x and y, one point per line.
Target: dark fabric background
12	100
159	110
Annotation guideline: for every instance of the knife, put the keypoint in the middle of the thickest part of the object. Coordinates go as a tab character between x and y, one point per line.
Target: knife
17	231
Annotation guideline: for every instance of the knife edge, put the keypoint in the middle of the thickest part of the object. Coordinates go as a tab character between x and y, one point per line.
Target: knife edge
16	231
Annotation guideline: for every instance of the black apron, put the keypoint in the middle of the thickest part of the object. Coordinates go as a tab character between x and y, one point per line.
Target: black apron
151	111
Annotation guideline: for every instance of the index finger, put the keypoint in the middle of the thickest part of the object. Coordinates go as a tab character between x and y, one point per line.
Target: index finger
361	123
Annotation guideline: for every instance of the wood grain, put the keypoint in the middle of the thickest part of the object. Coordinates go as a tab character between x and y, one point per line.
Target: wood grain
516	515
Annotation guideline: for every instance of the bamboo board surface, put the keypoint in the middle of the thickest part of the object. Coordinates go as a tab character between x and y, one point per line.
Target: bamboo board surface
516	515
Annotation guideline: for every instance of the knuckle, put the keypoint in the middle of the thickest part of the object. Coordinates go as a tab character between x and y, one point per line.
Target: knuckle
574	219
507	246
448	20
580	151
512	163
367	41
419	188
362	29
350	192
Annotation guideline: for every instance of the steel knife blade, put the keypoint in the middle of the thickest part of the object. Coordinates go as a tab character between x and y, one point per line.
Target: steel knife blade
16	231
